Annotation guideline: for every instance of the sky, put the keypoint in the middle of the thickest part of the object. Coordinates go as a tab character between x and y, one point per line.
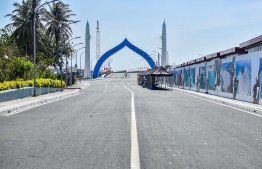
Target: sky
194	28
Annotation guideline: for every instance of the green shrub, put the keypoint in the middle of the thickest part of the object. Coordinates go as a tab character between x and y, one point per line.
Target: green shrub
19	83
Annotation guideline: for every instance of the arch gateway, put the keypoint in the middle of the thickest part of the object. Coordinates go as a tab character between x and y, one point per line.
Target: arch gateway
112	51
102	59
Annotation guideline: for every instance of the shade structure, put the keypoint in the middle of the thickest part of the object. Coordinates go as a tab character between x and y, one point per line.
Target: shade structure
160	71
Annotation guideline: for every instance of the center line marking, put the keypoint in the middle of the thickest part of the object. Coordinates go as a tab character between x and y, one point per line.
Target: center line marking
135	161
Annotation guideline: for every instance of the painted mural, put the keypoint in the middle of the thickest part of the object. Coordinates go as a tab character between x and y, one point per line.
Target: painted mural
217	76
193	77
235	76
242	82
176	77
227	75
202	78
211	77
187	77
179	77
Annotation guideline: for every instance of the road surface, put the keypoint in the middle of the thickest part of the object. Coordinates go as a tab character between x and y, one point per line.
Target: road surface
95	129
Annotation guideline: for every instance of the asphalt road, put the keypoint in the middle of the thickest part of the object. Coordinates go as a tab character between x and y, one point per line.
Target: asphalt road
93	130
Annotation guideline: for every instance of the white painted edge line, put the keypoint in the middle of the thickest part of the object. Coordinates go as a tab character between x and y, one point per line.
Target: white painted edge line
222	104
11	110
105	87
134	161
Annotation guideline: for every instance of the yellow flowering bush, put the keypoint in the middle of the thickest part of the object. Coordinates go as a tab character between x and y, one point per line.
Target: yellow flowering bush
30	83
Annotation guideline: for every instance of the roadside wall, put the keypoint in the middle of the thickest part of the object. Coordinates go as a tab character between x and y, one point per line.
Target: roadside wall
14	94
235	76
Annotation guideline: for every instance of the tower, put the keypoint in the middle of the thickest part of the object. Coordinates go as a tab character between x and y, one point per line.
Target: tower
87	73
164	50
97	41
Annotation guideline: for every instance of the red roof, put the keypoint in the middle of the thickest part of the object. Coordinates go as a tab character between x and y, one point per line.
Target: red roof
232	51
211	56
251	42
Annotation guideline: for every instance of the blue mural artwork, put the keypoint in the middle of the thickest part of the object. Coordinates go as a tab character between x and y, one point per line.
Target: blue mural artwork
202	79
211	80
227	77
193	76
243	76
187	77
112	51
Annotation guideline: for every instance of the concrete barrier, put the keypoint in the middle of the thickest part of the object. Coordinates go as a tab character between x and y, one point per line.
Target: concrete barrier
14	94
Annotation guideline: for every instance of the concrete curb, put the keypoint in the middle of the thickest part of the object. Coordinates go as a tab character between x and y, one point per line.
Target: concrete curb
36	102
253	108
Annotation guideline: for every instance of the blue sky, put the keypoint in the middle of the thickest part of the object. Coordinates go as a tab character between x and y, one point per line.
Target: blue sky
193	27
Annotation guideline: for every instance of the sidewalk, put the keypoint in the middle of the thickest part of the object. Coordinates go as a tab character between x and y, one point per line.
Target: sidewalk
15	106
250	107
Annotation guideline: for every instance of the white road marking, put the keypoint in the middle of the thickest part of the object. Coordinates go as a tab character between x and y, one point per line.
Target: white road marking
36	105
135	161
225	105
105	87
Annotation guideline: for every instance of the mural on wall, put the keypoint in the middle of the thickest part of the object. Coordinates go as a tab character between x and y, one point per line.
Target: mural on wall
234	76
242	82
179	77
227	75
192	77
176	76
187	77
217	77
202	77
211	77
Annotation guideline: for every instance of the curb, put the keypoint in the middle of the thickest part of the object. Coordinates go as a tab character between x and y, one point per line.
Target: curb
251	109
37	102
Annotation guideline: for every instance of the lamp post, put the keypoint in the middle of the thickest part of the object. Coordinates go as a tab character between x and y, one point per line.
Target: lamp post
167	54
80	64
71	63
66	60
76	61
152	54
34	95
91	67
157	57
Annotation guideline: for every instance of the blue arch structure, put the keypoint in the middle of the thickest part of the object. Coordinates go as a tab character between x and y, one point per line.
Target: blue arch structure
116	49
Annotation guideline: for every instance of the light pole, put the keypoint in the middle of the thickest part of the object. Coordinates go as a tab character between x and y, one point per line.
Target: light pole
152	54
157	57
61	52
34	95
76	61
66	60
80	65
167	54
72	63
91	67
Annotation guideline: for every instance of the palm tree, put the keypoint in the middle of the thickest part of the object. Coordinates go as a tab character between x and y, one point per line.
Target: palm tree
22	23
57	24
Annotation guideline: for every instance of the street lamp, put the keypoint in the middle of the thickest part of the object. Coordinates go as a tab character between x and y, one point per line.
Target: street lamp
61	52
152	54
166	52
34	95
66	59
80	65
72	61
157	57
76	61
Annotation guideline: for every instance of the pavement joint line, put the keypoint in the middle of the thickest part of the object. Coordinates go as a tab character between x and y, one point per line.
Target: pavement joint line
134	161
225	101
39	101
